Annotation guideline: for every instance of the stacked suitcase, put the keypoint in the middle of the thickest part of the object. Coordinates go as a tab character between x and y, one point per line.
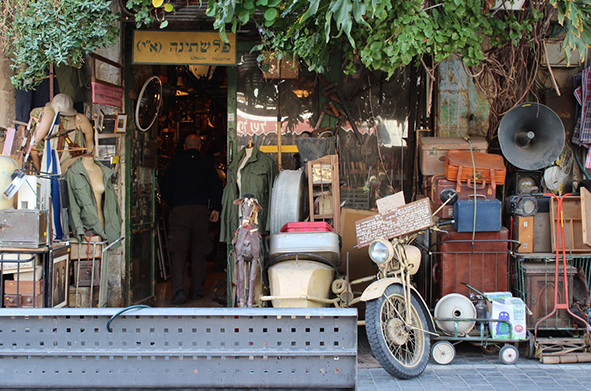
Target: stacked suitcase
474	247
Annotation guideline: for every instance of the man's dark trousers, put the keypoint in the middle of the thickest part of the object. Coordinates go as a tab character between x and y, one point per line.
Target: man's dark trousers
189	231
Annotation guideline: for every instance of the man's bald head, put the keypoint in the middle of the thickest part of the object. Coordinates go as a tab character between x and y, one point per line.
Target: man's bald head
193	142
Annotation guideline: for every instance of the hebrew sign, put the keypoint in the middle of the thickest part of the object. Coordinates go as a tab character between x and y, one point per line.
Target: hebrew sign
183	47
406	219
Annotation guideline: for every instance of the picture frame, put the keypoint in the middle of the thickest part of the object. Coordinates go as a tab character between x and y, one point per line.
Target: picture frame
121	123
59	281
100	121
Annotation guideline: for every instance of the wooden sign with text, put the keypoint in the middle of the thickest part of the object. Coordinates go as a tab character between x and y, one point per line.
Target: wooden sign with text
403	220
183	47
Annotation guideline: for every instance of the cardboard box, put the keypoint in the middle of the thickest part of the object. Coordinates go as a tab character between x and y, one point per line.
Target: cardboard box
511	309
23	287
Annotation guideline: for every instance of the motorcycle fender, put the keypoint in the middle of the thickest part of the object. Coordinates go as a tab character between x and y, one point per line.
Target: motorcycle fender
377	288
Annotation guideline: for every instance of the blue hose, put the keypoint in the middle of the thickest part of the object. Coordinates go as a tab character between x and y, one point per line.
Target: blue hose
109	329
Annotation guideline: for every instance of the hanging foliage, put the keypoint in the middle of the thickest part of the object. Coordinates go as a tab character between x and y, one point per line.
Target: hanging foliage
385	35
37	33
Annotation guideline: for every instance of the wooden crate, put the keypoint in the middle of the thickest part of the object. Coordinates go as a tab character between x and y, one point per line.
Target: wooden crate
573	219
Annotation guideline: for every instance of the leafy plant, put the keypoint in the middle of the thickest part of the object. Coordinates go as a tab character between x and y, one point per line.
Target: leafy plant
386	35
147	12
37	33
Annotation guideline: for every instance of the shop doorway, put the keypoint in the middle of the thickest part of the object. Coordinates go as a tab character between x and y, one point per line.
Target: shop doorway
194	101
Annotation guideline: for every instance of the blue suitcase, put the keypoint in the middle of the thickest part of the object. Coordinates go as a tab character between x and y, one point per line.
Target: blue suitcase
488	215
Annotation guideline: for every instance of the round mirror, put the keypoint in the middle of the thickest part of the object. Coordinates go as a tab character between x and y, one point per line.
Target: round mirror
148	103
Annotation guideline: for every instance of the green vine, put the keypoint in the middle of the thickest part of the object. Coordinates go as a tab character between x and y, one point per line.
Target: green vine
37	33
386	35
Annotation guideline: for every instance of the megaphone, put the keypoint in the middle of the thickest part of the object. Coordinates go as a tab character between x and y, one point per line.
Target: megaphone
531	136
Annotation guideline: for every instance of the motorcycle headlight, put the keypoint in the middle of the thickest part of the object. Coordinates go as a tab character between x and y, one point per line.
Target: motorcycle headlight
381	251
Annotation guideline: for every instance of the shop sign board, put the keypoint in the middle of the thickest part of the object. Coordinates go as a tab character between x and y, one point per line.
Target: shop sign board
411	217
106	94
183	47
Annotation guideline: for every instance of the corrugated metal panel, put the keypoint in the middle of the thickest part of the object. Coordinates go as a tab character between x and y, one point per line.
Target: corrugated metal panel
178	348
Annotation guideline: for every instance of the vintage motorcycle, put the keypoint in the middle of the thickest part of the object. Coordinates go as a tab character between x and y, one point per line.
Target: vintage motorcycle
397	320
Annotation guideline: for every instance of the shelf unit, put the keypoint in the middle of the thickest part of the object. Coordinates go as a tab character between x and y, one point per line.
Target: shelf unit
324	190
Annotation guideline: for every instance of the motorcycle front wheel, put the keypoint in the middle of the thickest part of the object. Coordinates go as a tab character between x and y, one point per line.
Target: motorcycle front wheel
402	350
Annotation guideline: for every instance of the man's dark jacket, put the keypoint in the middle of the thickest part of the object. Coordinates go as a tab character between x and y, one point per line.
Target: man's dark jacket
191	179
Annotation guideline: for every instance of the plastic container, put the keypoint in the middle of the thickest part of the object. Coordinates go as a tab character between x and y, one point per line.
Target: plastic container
307	226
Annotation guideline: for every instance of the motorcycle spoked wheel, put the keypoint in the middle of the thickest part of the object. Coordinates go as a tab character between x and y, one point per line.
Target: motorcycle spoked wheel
402	351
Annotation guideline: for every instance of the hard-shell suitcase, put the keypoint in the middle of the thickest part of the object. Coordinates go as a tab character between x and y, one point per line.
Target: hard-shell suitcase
439	189
486	217
482	264
488	167
434	149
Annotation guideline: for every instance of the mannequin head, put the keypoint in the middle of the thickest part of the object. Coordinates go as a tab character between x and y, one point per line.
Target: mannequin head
64	104
193	142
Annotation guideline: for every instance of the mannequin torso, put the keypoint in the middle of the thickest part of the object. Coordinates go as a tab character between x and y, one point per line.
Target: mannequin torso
97	182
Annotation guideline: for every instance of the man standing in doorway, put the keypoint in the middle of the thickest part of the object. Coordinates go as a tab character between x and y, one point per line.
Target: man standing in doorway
189	185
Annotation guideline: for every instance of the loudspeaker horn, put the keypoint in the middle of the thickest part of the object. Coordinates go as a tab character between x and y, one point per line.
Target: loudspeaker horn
531	136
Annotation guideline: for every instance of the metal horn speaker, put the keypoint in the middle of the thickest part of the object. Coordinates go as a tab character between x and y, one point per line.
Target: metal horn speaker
531	136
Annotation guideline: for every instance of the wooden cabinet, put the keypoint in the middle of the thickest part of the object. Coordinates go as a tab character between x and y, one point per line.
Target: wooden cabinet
324	190
539	288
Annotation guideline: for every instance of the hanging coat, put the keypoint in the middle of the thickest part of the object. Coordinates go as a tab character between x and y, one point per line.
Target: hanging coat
83	208
257	178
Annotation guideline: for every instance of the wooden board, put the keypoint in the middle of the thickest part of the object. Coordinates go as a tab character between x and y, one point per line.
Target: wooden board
406	219
586	215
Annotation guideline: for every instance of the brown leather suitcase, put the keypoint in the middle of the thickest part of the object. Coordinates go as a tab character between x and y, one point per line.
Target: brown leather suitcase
483	266
490	168
439	188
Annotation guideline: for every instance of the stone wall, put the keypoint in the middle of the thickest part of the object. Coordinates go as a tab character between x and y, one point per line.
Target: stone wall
7	93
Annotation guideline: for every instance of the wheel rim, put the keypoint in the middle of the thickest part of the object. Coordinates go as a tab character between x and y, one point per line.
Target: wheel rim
443	352
405	342
509	355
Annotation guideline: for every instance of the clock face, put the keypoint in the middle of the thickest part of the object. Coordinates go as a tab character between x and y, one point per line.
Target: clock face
148	104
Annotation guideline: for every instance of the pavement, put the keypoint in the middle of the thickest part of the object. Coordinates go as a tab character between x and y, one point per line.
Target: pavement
472	369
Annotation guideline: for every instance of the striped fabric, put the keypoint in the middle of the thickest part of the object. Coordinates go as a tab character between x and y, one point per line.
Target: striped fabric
582	131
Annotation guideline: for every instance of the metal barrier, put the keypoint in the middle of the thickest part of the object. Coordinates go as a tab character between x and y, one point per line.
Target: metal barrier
178	347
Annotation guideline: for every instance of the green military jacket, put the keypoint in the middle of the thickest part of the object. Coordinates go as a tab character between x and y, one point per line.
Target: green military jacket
83	209
256	178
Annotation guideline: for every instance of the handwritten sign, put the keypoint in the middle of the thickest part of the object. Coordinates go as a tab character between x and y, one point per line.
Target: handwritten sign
106	94
183	47
406	219
391	202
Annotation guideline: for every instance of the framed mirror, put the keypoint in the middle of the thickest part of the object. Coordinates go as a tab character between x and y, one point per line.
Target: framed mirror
148	104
